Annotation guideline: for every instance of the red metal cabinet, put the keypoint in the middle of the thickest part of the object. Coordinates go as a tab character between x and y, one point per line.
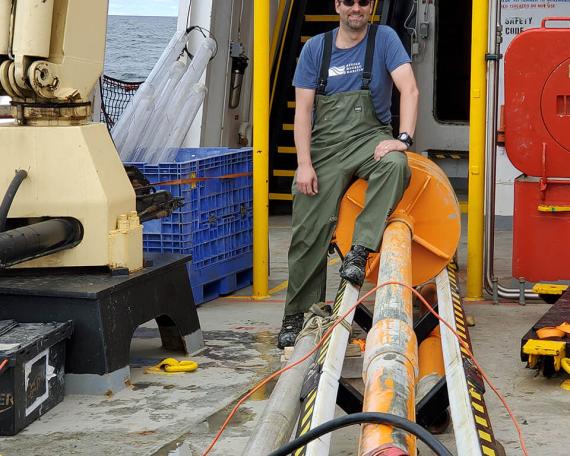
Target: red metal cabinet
537	140
541	230
537	100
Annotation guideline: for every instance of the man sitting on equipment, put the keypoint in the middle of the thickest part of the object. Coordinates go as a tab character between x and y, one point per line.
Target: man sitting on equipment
343	84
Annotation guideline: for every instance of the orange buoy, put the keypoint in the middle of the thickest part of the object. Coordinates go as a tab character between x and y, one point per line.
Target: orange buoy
429	204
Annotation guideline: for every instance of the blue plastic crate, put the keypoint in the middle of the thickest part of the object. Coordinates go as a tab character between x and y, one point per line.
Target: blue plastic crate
221	279
215	223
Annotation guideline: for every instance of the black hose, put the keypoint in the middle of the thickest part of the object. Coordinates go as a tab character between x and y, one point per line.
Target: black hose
359	418
9	197
38	239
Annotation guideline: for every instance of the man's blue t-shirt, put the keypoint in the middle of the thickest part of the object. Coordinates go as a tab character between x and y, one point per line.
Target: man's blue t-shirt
347	66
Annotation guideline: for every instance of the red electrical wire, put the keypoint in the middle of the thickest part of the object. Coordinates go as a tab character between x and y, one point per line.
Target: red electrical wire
330	330
2	364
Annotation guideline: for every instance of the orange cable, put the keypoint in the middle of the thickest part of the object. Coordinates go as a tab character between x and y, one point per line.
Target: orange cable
329	331
2	364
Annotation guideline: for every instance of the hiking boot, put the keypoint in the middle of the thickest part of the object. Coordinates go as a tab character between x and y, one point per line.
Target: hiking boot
354	265
290	329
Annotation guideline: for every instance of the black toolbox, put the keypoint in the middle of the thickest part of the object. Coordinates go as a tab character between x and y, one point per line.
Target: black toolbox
32	361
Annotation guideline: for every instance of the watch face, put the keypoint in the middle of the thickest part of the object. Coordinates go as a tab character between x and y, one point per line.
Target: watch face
405	138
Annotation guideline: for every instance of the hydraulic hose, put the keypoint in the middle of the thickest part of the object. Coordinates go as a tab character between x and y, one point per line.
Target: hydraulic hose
358	418
39	239
9	197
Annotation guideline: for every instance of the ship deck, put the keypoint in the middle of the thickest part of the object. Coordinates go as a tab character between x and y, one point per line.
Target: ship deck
179	414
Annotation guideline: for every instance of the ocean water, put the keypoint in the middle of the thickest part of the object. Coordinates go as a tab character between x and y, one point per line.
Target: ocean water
134	45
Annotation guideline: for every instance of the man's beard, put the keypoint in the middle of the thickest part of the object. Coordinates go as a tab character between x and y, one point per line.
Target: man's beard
355	26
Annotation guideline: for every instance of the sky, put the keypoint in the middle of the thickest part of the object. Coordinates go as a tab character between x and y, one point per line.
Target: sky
144	7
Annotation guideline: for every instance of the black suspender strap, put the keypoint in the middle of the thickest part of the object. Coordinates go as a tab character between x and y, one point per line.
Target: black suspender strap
325	64
326	60
371	45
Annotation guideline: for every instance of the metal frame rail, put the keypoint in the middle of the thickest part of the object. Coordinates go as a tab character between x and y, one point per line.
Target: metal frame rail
471	423
323	380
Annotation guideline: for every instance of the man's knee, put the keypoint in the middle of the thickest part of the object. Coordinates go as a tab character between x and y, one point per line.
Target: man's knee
313	232
396	163
396	159
392	167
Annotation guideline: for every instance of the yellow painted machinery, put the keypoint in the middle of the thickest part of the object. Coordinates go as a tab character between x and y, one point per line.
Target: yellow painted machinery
51	56
68	202
545	346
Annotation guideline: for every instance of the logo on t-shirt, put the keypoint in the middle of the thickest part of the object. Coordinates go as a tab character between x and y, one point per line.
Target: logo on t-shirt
349	68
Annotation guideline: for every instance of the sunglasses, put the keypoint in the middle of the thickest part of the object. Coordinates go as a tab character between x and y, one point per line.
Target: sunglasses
350	3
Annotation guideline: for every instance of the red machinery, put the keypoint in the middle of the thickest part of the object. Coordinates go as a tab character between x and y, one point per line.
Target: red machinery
537	141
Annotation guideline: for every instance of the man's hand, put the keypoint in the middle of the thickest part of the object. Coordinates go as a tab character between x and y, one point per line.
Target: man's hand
387	146
307	180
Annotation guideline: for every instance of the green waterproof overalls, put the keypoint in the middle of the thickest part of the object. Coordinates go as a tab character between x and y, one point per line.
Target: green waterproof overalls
345	134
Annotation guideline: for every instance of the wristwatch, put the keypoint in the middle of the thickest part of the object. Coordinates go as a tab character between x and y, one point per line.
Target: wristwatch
406	139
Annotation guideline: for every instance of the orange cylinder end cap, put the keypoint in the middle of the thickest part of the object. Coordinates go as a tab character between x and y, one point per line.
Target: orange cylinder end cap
429	203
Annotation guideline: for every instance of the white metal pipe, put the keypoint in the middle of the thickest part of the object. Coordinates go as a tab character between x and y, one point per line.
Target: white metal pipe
200	15
146	91
465	430
146	127
175	125
196	68
184	11
278	419
325	402
195	100
169	55
173	102
491	158
127	135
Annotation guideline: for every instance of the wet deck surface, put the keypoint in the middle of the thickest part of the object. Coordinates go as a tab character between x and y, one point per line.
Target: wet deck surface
179	414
